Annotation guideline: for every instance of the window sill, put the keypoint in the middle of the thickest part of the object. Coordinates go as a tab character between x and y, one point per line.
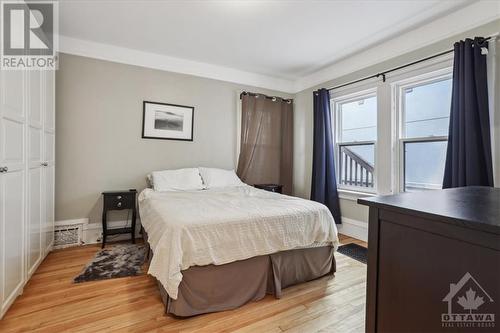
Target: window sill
353	195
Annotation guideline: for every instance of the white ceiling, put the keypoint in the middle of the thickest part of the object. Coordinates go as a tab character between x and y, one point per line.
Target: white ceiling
282	39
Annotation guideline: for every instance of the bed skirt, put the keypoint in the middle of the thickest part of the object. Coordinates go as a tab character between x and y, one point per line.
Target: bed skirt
214	288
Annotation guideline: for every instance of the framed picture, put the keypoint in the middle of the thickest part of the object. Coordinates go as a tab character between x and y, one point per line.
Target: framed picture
167	121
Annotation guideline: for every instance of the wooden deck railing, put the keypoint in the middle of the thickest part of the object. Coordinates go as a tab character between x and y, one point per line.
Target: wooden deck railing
354	170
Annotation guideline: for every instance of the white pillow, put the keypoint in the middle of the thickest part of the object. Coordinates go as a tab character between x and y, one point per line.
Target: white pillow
149	180
213	177
177	180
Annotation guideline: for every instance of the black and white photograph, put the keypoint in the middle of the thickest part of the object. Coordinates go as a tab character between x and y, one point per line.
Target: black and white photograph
167	121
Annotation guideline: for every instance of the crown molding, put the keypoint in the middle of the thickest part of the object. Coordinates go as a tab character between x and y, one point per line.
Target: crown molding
464	19
128	56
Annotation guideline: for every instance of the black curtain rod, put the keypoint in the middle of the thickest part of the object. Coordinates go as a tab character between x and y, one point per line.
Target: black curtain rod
382	74
274	98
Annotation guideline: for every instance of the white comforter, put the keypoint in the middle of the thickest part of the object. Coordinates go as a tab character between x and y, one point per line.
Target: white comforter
220	226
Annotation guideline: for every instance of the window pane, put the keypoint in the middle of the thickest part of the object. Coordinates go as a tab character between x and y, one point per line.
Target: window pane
424	165
359	120
356	165
427	109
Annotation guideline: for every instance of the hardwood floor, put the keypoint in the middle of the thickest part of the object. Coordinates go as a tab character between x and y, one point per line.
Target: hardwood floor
52	303
346	240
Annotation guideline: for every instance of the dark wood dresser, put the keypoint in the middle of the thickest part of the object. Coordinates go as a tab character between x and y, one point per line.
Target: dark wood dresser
434	261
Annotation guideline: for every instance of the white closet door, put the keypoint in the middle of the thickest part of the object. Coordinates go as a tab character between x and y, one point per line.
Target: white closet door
12	184
49	158
35	171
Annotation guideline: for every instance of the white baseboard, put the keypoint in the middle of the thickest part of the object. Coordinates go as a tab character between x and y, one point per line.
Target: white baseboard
354	228
83	221
92	232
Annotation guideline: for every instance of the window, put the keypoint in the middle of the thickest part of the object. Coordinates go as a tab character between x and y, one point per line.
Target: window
424	109
356	134
392	136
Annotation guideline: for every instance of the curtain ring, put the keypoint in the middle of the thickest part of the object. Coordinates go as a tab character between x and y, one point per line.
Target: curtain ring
273	99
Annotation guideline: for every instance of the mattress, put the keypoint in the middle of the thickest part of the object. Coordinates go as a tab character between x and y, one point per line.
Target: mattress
224	225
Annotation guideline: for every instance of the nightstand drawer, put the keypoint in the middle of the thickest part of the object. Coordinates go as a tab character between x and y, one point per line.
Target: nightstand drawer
119	201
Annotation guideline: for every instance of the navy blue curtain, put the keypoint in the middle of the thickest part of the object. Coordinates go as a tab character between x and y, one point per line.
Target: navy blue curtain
324	182
468	157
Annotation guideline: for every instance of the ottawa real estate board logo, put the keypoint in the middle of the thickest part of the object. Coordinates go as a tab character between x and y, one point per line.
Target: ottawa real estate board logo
29	35
469	305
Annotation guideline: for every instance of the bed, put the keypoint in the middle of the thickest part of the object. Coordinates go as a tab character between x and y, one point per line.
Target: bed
217	249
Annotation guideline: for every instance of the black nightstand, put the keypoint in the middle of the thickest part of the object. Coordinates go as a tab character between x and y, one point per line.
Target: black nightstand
118	200
270	187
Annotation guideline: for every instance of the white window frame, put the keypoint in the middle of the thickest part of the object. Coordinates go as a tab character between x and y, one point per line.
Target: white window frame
388	167
397	88
341	97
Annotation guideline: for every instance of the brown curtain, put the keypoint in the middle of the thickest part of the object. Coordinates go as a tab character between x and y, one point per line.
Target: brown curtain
266	152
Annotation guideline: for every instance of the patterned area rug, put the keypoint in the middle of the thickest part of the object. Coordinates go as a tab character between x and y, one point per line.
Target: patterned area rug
354	251
118	261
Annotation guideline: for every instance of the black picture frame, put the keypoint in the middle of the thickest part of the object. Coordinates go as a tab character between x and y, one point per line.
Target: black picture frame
144	136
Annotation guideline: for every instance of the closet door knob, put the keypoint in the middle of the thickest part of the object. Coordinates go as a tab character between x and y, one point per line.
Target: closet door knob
45	164
4	169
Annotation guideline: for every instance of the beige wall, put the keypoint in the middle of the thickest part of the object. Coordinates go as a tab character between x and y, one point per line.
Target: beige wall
303	114
99	124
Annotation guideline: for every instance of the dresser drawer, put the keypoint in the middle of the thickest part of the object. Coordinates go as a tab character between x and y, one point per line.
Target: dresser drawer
119	201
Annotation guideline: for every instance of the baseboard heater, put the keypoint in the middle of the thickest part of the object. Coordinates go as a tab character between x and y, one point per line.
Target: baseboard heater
68	235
